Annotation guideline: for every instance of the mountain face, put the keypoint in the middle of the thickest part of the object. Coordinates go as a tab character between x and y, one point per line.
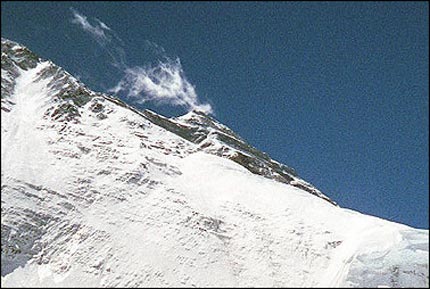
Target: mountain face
97	193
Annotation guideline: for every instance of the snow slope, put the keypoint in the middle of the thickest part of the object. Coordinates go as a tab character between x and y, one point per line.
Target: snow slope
95	193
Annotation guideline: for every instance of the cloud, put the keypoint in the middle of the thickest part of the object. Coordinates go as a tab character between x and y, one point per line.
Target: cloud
164	83
102	25
155	48
104	36
97	31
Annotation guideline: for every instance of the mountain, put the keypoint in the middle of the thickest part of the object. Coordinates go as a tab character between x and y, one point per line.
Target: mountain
97	193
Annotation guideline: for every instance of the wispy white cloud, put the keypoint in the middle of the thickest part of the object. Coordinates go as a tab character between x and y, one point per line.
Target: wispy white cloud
164	83
97	30
102	25
155	48
104	36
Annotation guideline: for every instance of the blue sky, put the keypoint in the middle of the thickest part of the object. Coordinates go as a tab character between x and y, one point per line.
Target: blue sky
339	91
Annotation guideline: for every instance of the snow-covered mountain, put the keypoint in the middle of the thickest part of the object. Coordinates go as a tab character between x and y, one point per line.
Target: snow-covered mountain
97	193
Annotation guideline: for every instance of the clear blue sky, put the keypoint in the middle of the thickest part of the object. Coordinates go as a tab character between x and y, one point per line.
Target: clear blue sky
339	91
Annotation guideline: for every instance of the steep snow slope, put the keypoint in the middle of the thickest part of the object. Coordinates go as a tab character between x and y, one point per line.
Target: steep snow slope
95	193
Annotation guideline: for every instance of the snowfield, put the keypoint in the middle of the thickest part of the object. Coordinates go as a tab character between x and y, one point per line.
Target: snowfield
110	199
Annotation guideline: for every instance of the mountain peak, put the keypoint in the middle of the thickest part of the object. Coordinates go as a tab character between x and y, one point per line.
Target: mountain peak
23	57
69	96
92	187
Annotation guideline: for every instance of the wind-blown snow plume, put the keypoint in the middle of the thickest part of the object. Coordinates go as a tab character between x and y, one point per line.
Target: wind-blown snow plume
97	31
164	83
104	36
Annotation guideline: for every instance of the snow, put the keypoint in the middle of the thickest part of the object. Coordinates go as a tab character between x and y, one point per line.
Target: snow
24	149
122	202
215	185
